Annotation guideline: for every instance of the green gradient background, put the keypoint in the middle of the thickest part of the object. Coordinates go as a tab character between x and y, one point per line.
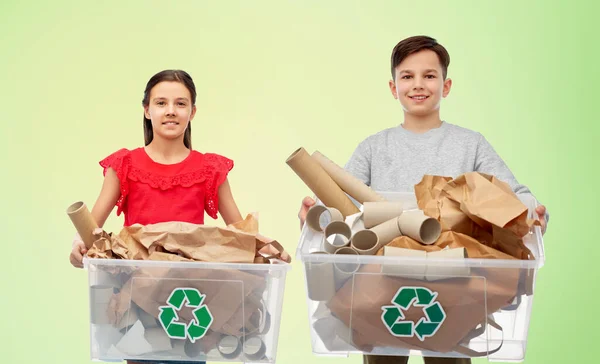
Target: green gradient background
273	76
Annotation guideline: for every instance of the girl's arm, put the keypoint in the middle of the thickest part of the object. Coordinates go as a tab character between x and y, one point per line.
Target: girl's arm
109	194
227	206
231	214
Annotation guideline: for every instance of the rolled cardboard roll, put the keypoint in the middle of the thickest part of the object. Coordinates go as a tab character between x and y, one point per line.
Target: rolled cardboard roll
344	271
420	227
229	347
439	272
337	235
99	313
320	280
375	213
254	348
320	183
387	231
313	216
365	242
347	182
83	221
101	294
409	271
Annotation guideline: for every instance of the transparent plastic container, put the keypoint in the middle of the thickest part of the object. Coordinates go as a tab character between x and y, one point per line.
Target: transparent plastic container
484	312
184	311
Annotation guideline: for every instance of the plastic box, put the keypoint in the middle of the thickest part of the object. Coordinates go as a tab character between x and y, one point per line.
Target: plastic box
184	311
469	322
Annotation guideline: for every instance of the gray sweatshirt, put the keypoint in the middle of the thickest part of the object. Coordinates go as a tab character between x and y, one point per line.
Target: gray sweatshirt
396	159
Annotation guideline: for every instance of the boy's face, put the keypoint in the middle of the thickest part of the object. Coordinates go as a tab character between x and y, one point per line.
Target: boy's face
419	83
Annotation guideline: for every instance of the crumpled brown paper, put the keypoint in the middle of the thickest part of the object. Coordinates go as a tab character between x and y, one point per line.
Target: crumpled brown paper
233	296
480	206
466	300
230	294
181	241
451	240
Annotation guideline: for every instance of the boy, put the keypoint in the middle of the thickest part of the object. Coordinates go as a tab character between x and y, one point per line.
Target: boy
396	159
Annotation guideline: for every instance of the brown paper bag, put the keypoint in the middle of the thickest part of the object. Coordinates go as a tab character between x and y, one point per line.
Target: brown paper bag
230	294
466	301
480	206
236	243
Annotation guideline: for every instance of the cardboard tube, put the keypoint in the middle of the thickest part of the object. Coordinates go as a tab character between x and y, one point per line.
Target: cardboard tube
313	216
410	271
99	313
229	347
319	280
337	235
375	213
254	348
365	242
415	224
438	272
387	231
101	294
344	271
83	221
347	182
315	177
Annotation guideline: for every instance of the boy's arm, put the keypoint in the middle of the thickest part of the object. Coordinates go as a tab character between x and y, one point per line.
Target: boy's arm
489	162
359	164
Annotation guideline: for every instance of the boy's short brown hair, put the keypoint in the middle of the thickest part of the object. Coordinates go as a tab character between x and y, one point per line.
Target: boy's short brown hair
415	44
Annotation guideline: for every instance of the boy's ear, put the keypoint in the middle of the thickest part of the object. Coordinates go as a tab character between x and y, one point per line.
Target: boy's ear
392	85
447	87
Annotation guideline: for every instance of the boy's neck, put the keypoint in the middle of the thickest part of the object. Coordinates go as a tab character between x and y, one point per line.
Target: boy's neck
421	124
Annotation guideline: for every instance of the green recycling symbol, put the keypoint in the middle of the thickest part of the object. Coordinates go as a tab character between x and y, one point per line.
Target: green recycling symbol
427	326
197	327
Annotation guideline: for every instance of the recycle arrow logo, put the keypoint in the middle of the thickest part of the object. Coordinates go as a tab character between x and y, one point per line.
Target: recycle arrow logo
197	327
393	317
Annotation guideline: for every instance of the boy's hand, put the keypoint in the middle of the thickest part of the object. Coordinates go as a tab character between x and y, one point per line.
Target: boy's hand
307	203
541	211
77	252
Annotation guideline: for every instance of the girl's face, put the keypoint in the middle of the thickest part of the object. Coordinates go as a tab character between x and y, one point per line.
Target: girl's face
170	109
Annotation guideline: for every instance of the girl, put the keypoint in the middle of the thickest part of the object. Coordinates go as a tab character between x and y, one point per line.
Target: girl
165	180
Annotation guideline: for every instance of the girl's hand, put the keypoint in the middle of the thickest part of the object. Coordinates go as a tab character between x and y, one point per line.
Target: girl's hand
77	252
